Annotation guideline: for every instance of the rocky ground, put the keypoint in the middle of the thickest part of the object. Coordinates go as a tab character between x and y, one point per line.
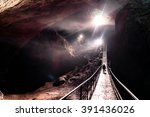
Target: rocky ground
63	85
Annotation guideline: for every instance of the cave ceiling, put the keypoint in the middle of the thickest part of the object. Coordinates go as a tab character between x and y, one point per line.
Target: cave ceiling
20	20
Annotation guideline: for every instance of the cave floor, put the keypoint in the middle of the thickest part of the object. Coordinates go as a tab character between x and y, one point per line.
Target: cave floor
46	92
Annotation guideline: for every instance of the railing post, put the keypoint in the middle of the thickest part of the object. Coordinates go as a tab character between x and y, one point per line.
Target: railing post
81	93
89	84
88	89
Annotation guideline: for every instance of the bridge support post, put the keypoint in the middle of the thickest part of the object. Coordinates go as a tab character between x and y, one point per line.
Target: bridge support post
81	93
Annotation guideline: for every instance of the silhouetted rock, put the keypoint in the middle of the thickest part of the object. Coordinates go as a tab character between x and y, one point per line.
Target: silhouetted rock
130	53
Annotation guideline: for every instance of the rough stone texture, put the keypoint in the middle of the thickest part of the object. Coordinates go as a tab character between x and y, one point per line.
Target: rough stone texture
24	21
27	52
20	24
6	4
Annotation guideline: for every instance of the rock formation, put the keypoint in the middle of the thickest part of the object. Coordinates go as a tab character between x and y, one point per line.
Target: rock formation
130	52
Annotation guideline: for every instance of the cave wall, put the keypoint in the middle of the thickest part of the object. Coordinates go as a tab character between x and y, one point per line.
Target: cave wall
130	48
27	55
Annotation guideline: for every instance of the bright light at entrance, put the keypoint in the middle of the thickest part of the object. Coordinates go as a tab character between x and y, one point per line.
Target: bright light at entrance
98	42
100	19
